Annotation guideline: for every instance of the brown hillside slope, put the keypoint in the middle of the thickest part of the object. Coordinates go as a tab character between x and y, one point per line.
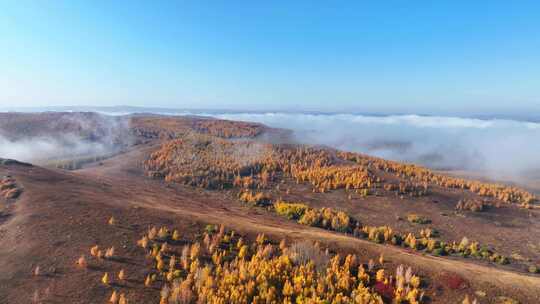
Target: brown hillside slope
61	215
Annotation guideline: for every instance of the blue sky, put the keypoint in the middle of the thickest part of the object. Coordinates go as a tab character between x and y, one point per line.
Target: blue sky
398	56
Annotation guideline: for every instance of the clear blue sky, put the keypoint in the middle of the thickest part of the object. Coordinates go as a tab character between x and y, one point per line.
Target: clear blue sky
412	56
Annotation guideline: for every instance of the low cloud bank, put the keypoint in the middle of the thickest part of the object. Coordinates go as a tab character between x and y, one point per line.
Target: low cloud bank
44	149
44	137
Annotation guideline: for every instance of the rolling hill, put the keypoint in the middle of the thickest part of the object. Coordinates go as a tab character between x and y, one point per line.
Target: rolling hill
195	209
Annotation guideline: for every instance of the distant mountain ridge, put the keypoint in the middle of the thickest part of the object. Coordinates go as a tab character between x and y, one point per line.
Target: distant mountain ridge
122	109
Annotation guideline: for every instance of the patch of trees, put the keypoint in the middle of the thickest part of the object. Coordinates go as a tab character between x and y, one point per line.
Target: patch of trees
428	240
168	128
224	267
209	162
214	163
76	163
227	128
326	218
324	179
9	188
507	194
471	205
254	198
407	188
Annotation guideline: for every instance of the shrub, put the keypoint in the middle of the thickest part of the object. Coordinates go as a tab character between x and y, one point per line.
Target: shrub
502	260
472	205
282	245
453	281
396	240
293	211
381	234
243	252
122	275
256	199
160	265
148	281
123	299
310	218
379	275
114	297
105	278
195	250
304	252
143	242
415	281
384	290
429	233
261	239
418	219
81	262
109	253
176	235
94	250
163	233
340	222
438	251
210	229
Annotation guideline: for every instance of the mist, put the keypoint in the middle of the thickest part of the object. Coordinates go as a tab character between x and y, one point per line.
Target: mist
44	149
41	138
